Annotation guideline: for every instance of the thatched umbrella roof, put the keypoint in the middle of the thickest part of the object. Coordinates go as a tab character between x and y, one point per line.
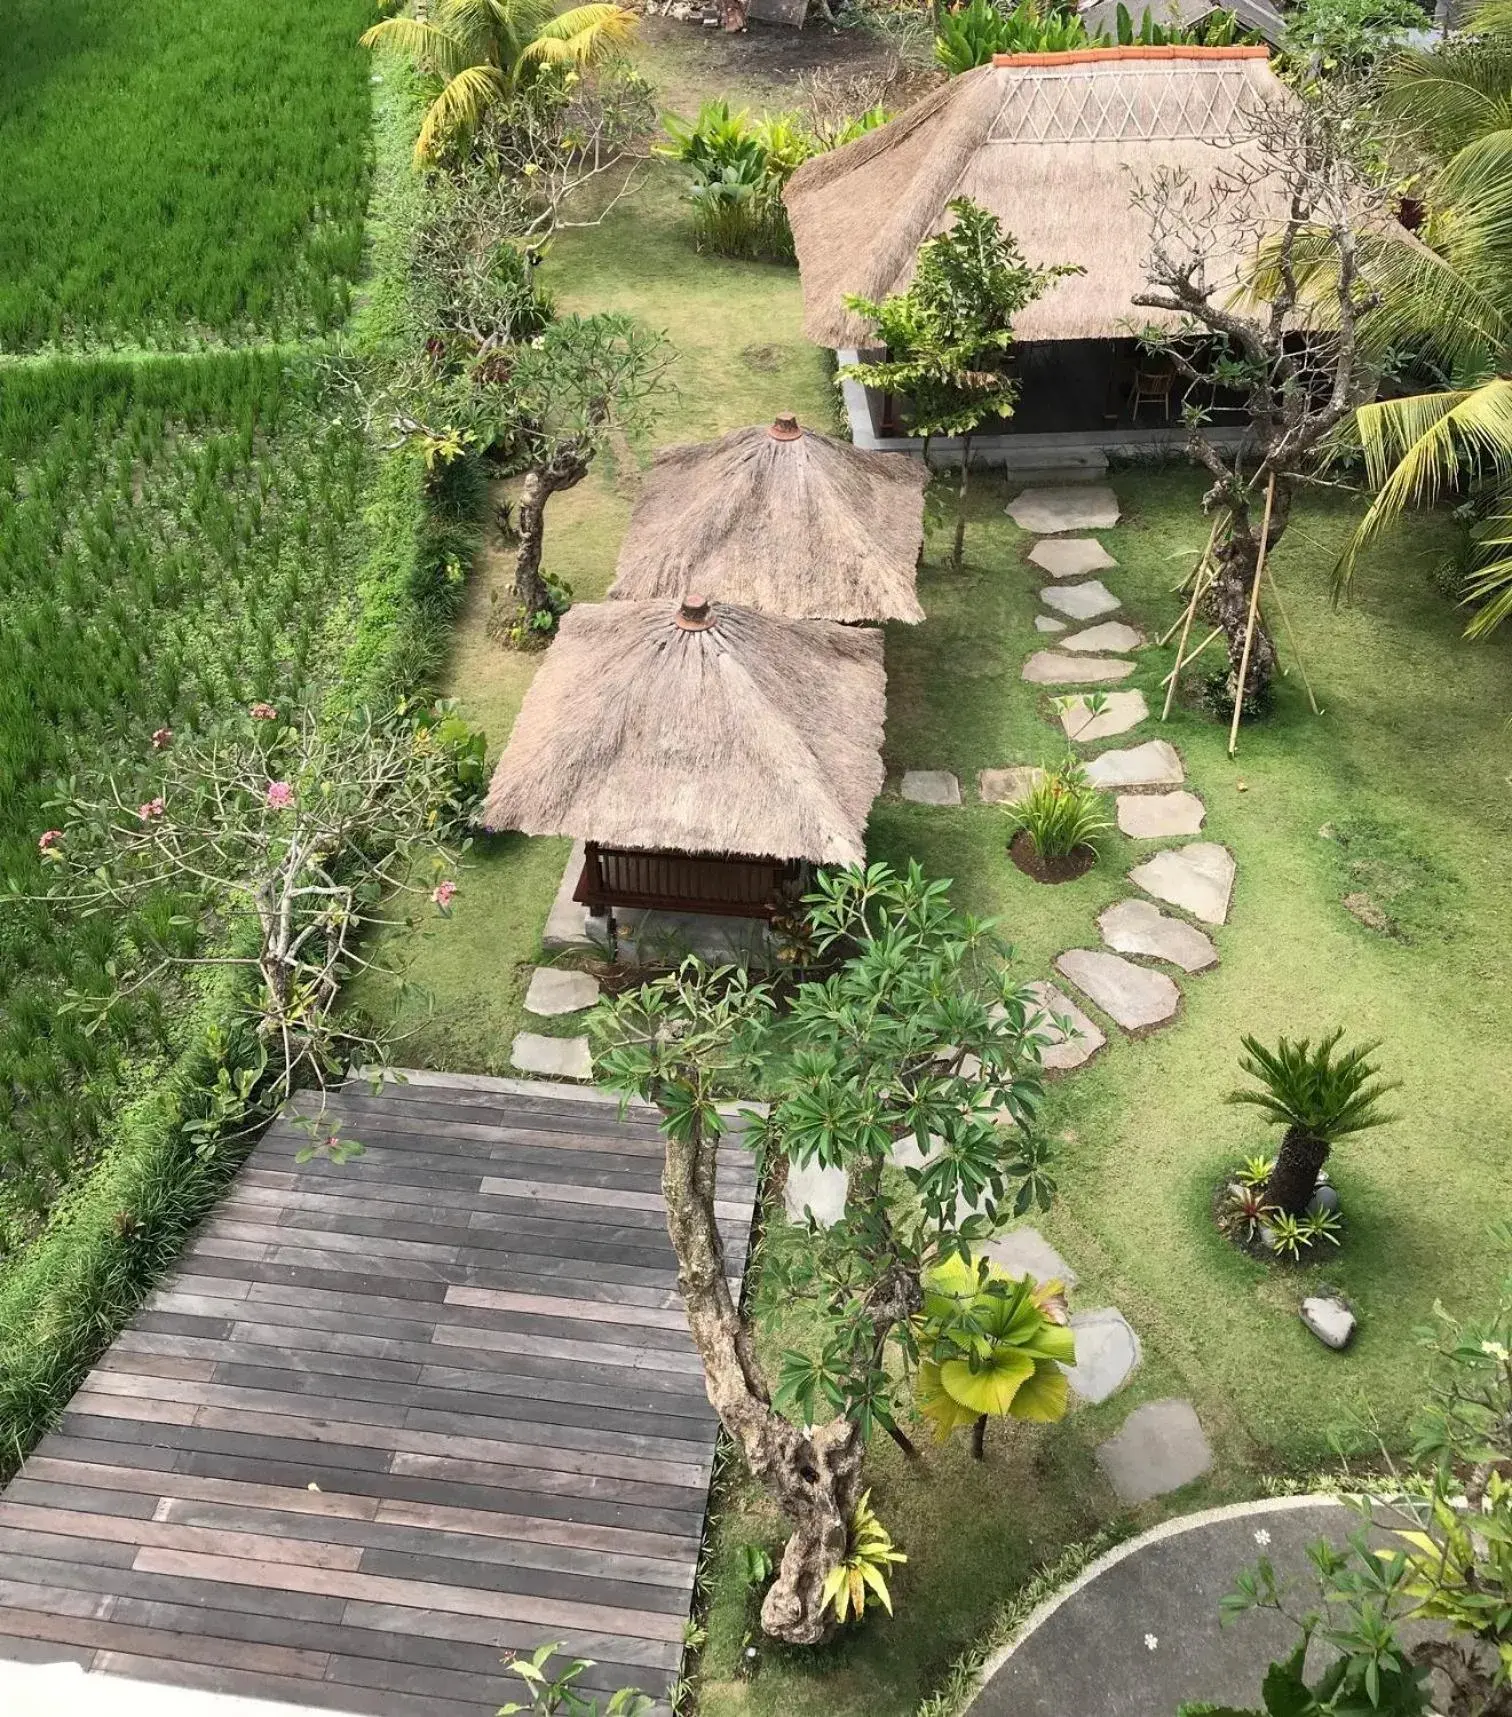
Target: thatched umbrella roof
707	729
780	519
1050	143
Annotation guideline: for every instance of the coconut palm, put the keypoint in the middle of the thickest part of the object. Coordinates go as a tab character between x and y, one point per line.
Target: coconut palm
995	1345
485	50
1451	301
1319	1098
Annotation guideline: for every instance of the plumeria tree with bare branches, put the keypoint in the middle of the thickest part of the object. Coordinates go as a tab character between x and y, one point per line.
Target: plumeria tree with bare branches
275	845
1300	199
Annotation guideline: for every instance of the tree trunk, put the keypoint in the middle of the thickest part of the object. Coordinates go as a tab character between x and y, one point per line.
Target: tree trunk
541	483
960	530
1295	1176
1228	601
979	1439
814	1476
904	1441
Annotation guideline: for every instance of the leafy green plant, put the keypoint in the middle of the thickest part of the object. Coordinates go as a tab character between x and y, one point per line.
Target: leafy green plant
1255	1171
1062	812
1245	1214
755	1562
1216	30
555	1693
970	35
1319	1225
869	1554
1286	1237
1319	1097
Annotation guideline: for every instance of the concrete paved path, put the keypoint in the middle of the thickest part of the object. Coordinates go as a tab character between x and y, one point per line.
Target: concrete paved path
1137	1632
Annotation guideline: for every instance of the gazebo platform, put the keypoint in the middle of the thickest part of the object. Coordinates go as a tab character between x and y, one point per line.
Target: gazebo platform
390	1420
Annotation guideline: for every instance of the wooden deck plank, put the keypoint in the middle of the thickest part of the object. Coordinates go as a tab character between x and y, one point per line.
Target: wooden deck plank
389	1420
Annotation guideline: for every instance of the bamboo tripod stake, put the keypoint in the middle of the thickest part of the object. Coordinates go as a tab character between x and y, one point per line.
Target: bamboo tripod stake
1186	624
1254	610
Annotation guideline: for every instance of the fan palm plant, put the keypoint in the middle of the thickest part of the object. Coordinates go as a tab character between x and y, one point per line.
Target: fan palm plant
1450	300
486	50
1319	1098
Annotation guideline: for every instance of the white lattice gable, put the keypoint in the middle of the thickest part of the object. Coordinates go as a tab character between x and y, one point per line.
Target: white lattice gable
1121	104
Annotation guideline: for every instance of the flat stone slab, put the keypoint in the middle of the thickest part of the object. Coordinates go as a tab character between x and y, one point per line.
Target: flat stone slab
1160	1448
1156	816
1197	878
1137	927
555	1057
554	990
1120	712
1007	786
931	787
568	924
817	1191
1048	623
1059	1053
1111	635
1153	764
1136	997
1107	1351
905	1153
1072	507
1049	668
1080	601
1071	557
1026	1252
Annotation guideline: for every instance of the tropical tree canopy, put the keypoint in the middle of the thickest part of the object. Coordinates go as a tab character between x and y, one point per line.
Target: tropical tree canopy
485	50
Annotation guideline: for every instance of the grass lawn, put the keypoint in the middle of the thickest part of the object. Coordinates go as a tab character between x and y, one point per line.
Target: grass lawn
1396	797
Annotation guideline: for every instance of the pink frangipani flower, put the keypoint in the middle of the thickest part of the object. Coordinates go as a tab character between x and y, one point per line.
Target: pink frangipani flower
151	812
162	738
443	894
264	712
49	839
280	795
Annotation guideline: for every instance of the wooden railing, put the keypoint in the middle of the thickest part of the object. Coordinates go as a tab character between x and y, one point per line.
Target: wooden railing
684	882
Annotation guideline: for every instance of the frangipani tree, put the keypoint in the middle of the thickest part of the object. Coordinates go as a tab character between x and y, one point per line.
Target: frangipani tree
995	1345
486	50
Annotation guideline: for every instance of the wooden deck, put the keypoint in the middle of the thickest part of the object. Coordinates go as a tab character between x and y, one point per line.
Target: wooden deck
390	1420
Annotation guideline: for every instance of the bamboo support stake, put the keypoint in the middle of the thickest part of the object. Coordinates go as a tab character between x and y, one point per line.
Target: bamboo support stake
1291	638
1254	610
1191	610
1187	660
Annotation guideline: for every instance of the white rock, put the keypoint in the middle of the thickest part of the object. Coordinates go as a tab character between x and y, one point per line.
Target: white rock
1047	668
1059	1053
1069	507
931	787
554	1057
1111	635
1137	998
555	990
1153	764
1330	1320
1080	601
1198	878
815	1191
1120	712
1137	927
1071	557
1158	816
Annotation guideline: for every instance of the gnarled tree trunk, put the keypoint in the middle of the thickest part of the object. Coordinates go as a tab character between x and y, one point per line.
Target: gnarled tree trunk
1295	1176
541	483
1227	603
813	1476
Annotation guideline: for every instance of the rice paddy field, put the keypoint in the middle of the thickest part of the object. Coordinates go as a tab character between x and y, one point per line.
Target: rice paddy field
174	539
176	172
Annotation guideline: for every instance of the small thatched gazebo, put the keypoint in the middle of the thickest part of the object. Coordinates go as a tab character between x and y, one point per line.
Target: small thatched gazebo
782	520
706	755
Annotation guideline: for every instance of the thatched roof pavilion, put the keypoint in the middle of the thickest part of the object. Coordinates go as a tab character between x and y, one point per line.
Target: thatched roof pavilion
698	729
783	520
1050	143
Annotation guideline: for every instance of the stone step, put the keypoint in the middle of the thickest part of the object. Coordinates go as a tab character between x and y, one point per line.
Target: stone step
930	787
1198	878
1071	557
1026	1252
1111	635
815	1191
1157	816
1050	668
1048	623
1107	1351
1153	764
1134	996
553	1057
1007	786
1061	1050
556	990
1120	712
1048	510
1080	601
1137	927
1160	1448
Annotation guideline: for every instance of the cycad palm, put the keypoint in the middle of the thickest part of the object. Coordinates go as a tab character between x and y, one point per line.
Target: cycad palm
1453	303
484	50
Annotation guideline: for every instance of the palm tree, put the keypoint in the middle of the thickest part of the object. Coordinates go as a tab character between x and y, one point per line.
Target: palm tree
485	50
1318	1098
1452	303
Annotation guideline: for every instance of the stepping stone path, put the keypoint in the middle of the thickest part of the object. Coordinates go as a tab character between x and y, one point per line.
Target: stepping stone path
1136	927
1071	557
1120	712
1107	1350
1047	668
554	991
1160	1448
931	787
1007	786
905	1153
815	1191
1060	1053
1197	878
1111	635
1157	816
1137	998
1048	623
1026	1252
1153	764
553	1057
1069	507
1080	601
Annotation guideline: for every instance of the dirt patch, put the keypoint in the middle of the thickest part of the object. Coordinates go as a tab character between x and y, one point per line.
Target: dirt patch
1390	884
765	358
1065	868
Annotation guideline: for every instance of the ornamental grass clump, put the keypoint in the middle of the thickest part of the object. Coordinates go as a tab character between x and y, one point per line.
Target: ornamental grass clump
1059	823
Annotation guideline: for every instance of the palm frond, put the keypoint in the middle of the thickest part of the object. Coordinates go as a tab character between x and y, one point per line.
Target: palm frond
1489	588
581	36
1307	1086
426	43
1449	93
458	108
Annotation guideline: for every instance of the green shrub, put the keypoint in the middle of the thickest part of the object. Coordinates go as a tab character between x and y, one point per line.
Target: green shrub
1062	812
